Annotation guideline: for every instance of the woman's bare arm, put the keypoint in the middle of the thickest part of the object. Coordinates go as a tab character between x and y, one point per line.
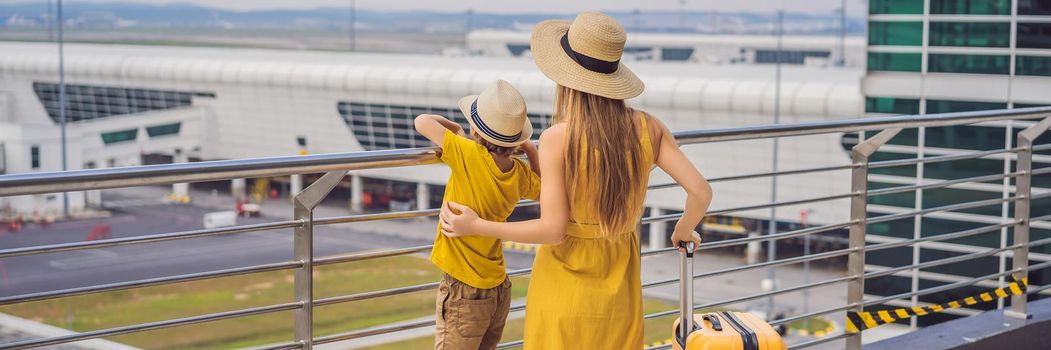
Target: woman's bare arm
550	228
698	192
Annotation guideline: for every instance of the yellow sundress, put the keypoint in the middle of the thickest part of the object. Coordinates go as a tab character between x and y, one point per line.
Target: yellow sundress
586	292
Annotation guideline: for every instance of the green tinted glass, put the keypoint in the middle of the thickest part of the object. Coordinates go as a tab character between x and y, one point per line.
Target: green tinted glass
892	105
976	64
970	34
161	130
888	61
896	33
971	7
946	106
896	7
1033	65
120	136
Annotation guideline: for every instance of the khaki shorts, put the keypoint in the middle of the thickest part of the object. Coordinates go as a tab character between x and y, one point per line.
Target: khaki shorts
468	317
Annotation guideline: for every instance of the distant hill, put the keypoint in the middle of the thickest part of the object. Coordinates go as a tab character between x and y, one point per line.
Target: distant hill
182	15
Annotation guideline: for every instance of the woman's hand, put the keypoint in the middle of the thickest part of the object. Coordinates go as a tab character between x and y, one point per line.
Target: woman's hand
457	220
681	235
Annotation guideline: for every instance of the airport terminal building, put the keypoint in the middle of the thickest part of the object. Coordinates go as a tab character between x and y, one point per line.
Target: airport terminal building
132	105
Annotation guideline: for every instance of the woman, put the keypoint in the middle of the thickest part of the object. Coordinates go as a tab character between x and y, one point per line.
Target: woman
586	292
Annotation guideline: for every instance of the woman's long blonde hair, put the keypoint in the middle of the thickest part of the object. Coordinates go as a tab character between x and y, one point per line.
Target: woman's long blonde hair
603	159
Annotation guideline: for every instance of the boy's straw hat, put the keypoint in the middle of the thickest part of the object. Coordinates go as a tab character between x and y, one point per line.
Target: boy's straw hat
584	55
498	114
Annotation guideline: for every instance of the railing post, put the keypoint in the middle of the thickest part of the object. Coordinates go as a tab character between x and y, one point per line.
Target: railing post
859	178
303	248
1023	189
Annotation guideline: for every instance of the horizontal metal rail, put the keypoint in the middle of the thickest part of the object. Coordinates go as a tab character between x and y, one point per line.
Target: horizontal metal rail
27	344
811	314
62	247
818	341
93	179
941	184
62	293
941	158
951	207
786	261
753	296
763	174
940	262
940	237
955	285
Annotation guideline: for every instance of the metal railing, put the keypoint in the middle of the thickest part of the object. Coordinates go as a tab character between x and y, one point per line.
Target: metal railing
336	166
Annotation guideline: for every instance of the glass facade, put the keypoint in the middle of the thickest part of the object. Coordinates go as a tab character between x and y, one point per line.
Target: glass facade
788	56
949	106
676	54
1034	7
970	7
974	64
34	157
87	102
109	138
895	7
896	33
970	34
1034	35
1033	65
383	126
892	105
163	130
888	61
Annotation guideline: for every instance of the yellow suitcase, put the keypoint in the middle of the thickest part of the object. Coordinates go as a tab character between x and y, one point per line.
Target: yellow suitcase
718	330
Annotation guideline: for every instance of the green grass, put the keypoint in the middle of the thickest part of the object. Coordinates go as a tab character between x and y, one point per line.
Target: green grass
120	308
810	325
656	330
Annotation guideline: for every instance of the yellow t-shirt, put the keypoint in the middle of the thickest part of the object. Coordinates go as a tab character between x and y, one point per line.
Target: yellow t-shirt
478	183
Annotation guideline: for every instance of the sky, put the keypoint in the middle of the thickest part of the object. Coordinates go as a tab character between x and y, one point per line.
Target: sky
854	7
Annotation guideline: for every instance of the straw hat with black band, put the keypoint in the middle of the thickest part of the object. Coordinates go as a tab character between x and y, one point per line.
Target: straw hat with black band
498	115
585	55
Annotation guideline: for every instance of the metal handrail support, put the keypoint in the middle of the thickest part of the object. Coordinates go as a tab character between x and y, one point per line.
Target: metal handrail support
859	178
303	249
1024	189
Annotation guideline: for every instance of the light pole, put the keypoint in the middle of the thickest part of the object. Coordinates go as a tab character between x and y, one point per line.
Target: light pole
62	101
842	59
353	19
771	250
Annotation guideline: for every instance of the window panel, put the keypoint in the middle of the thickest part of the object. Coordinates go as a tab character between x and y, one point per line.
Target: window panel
1034	7
896	7
902	62
970	7
120	136
896	33
1033	65
975	64
892	105
947	106
970	34
1034	35
34	157
163	130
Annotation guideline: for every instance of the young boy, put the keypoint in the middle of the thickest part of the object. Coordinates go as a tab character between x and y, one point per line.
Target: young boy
474	295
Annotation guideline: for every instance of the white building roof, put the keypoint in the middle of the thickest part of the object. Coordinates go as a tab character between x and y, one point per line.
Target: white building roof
667	39
818	92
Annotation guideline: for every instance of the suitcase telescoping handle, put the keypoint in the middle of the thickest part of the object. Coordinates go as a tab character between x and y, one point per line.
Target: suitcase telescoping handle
686	292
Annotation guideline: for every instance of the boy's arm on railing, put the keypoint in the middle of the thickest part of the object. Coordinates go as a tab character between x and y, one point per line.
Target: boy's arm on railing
531	153
673	161
433	127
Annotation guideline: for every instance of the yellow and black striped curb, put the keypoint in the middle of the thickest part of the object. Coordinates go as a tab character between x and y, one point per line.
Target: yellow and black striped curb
522	247
860	321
